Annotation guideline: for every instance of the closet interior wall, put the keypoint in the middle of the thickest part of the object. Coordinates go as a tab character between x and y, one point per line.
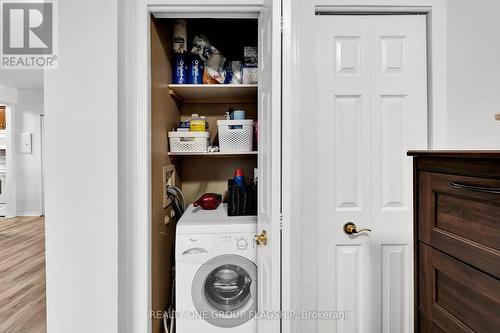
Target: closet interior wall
210	174
195	175
165	114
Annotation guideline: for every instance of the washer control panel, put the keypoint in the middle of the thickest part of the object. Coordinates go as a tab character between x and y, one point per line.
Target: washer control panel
238	242
242	243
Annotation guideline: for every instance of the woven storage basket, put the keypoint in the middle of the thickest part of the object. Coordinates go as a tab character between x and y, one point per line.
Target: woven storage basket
188	142
235	135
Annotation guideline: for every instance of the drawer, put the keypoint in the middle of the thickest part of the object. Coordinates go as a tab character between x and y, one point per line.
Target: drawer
427	326
461	216
455	296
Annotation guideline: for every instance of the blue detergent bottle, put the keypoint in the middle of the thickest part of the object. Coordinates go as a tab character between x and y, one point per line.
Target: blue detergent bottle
239	179
180	69
195	69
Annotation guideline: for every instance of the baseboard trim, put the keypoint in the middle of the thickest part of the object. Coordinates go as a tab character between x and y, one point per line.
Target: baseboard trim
29	214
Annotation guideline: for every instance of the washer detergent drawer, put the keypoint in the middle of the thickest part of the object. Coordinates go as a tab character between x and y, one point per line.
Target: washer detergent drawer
194	248
198	247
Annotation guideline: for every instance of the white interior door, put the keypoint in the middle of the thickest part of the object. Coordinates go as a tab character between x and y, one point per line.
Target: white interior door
269	179
372	99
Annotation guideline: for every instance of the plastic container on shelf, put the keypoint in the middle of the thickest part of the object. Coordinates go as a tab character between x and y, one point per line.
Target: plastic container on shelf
235	135
197	123
188	142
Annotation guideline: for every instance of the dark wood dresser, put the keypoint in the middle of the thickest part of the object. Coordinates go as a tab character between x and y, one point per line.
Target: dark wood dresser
457	241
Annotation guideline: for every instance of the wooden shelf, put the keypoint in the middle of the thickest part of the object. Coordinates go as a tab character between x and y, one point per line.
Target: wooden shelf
213	93
497	116
218	154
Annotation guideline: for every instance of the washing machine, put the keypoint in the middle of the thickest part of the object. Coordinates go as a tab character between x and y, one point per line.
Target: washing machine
216	272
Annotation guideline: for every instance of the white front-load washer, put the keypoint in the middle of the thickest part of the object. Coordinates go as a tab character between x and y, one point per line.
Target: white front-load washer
216	272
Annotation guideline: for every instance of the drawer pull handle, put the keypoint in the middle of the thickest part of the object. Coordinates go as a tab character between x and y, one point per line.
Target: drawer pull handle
492	190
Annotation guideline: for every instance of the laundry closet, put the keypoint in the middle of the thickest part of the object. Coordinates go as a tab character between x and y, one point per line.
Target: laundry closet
224	103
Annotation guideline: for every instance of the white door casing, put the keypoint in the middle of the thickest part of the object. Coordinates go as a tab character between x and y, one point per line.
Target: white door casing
269	178
372	97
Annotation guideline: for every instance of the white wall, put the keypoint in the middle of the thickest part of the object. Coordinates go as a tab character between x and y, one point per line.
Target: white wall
8	95
473	73
81	171
28	166
131	309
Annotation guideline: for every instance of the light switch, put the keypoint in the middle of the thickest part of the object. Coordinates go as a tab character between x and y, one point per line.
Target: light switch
26	143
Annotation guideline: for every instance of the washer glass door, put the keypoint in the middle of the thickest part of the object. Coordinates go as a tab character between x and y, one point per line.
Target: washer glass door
224	290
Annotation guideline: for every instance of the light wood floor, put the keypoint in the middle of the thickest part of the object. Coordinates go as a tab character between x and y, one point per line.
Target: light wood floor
22	275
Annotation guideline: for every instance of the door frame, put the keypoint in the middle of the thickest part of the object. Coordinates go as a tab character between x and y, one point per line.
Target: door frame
10	136
134	94
42	163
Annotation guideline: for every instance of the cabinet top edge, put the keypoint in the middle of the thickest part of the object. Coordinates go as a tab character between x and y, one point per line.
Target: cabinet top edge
455	153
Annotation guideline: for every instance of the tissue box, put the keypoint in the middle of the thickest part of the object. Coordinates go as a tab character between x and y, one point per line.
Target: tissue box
251	56
250	75
235	68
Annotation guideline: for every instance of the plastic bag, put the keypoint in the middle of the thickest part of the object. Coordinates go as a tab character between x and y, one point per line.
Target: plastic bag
214	72
214	69
202	47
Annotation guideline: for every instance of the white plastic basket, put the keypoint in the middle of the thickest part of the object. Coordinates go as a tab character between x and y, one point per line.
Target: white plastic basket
188	142
235	135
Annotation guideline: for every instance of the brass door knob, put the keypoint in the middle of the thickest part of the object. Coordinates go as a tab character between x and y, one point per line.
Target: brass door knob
350	229
261	240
